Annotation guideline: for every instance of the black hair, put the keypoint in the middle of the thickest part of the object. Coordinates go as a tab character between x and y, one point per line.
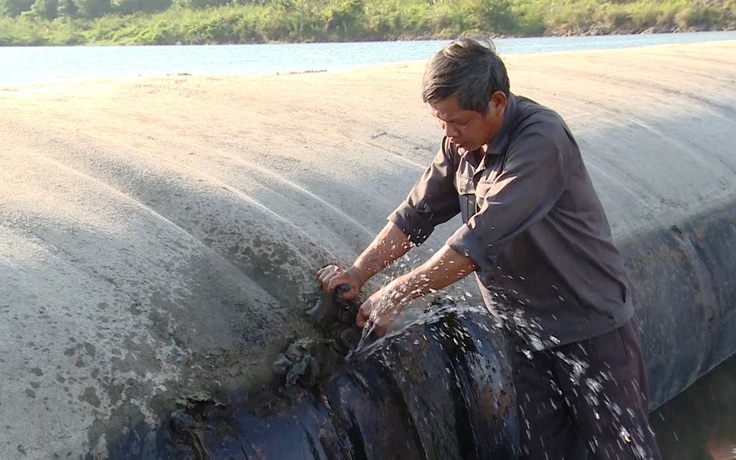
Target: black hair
468	68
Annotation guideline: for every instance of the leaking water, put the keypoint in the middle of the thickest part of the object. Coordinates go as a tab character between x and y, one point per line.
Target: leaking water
370	343
440	388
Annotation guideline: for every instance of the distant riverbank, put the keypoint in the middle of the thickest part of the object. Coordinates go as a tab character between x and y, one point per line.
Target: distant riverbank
295	21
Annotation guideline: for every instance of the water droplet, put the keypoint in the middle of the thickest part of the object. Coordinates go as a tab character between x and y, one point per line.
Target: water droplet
624	433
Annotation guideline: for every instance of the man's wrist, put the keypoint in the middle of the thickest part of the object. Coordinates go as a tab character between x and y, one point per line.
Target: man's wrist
358	275
400	291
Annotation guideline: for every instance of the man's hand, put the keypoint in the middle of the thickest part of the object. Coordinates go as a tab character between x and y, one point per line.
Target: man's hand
444	268
379	311
388	246
333	276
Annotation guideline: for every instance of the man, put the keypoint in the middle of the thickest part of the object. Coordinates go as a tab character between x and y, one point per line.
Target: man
537	238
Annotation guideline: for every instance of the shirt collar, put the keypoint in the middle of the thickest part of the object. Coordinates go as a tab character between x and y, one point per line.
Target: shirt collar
500	141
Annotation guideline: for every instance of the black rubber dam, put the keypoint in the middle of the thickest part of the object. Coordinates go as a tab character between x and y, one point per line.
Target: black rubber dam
441	388
438	389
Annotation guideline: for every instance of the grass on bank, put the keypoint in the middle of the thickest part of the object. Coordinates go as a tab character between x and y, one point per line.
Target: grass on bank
358	20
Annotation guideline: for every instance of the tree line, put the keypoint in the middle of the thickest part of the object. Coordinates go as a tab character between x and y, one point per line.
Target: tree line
73	22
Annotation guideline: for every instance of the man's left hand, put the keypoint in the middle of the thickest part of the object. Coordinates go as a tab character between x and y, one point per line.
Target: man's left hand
379	311
444	268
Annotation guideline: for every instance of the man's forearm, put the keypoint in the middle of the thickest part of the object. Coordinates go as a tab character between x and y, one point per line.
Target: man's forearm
386	247
442	269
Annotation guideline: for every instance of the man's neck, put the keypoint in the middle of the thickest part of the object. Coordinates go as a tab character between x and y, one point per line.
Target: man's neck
476	156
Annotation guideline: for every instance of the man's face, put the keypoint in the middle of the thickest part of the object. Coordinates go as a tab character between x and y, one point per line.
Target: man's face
467	129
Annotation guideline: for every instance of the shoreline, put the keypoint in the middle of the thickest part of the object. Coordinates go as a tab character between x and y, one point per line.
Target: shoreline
593	32
203	61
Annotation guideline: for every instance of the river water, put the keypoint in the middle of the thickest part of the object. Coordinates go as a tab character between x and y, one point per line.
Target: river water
32	65
698	424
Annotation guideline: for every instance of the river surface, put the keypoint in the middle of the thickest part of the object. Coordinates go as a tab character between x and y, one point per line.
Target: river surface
33	65
698	424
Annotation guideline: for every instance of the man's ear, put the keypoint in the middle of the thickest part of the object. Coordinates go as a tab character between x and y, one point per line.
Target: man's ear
497	103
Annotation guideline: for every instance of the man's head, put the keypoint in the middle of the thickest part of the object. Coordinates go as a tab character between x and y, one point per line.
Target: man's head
467	87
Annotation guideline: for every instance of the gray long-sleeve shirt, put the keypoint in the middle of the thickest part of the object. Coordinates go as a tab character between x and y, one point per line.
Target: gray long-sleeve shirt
533	225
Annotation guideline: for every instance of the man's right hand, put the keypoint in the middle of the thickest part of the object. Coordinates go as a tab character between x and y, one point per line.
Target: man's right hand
333	276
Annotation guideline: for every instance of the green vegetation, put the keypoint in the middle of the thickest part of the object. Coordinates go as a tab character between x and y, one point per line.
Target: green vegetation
153	22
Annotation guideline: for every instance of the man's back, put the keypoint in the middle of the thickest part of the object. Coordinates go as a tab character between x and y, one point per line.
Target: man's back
563	268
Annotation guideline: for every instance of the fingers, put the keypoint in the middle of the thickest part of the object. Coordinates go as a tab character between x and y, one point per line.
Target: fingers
363	321
363	316
332	277
326	273
378	322
350	294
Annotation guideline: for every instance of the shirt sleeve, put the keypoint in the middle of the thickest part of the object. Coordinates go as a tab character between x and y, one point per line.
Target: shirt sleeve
433	199
526	190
